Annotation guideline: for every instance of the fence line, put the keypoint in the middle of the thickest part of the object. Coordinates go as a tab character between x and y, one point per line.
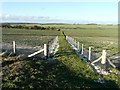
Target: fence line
53	47
87	58
48	50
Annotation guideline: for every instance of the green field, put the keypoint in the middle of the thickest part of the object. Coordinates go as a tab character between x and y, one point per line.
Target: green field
75	26
66	70
105	37
28	37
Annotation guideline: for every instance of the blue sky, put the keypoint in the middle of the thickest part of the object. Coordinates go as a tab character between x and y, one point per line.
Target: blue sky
63	12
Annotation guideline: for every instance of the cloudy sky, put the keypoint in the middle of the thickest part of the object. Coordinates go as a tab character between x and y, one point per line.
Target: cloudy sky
60	12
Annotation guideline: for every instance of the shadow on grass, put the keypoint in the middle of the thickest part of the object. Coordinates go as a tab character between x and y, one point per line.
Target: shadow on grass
46	75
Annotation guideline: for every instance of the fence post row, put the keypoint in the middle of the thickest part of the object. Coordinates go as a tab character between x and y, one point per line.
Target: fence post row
103	57
45	49
14	47
103	61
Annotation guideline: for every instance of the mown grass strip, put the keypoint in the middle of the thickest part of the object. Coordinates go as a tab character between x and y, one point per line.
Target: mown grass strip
68	56
85	75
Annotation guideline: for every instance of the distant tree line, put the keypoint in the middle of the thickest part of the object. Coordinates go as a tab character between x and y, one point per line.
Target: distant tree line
35	27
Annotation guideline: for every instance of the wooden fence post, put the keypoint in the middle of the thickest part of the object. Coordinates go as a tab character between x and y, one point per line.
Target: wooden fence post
82	49
14	47
78	46
66	37
46	50
103	61
89	57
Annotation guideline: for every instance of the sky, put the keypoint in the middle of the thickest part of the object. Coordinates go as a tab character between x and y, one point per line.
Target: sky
60	12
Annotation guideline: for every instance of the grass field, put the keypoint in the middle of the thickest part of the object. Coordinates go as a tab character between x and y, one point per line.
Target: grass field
100	38
22	36
27	41
67	70
75	26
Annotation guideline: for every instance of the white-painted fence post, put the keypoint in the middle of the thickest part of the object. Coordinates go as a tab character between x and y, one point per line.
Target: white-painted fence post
89	57
78	46
66	37
103	61
82	49
14	47
45	50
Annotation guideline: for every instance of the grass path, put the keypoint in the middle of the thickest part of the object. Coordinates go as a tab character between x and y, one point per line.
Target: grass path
83	73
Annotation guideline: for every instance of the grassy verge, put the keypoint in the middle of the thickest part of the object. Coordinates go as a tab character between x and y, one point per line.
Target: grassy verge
82	71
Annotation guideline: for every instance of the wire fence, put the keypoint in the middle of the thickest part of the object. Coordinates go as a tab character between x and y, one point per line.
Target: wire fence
99	60
30	51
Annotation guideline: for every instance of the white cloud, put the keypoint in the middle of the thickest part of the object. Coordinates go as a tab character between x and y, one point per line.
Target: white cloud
8	17
46	19
35	19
